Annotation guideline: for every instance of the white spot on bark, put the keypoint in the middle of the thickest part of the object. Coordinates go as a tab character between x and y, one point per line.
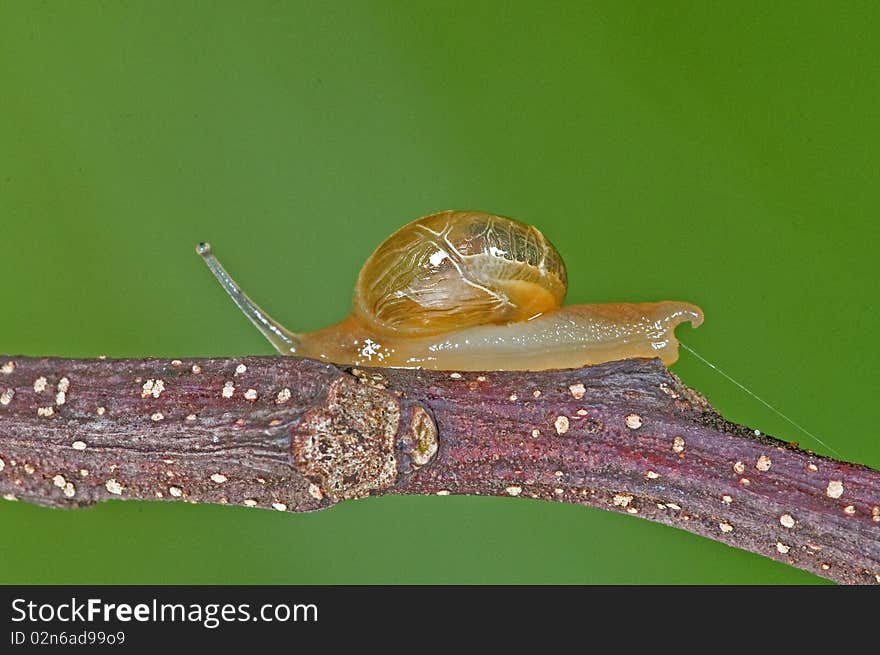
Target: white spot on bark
101	411
7	396
241	369
787	521
60	398
763	463
834	489
196	369
678	444
250	394
622	500
9	497
29	469
849	509
281	507
745	482
536	433
7	368
782	548
316	493
250	502
577	390
45	411
725	527
59	481
40	384
176	362
875	511
113	486
561	424
2	464
513	397
513	490
739	468
219	478
157	416
78	445
69	490
190	417
634	422
727	499
536	393
283	396
443	492
63	385
812	468
652	475
455	376
177	492
228	389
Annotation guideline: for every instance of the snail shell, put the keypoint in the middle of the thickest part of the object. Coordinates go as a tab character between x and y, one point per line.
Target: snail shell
455	270
473	291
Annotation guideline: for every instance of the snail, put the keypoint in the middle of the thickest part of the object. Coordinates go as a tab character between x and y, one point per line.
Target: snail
473	291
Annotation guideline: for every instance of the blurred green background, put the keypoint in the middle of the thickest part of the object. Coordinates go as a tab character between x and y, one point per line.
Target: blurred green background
725	154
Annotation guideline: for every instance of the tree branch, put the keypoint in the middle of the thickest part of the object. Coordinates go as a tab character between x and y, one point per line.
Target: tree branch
299	435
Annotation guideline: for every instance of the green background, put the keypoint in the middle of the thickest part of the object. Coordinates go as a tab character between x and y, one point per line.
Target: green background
724	154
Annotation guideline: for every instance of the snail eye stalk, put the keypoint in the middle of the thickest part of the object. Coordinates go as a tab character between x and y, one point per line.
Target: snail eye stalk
284	341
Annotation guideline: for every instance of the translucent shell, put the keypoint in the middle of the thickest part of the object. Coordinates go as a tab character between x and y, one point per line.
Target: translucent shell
453	270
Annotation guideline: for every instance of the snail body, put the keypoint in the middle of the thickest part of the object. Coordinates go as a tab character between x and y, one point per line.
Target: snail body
473	291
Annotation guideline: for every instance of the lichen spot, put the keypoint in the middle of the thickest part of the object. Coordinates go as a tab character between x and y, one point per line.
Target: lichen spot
536	393
634	422
536	433
60	398
283	396
113	486
812	468
69	490
745	482
45	412
2	464
7	396
875	511
40	384
250	394
577	390
29	469
59	481
10	497
632	510
157	416
513	397
782	548
678	444
834	489
250	502
281	507
177	492
176	363
849	510
101	411
455	376
727	499
763	463
824	566
787	521
513	490
725	527
622	500
219	478
241	369
64	385
153	388
78	445
7	368
190	417
561	424
316	493
652	475
196	369
739	468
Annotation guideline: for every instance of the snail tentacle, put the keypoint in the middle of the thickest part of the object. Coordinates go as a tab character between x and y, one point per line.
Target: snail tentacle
284	341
